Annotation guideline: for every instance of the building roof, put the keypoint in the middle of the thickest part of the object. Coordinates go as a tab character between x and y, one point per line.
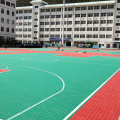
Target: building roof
24	8
80	4
38	1
67	5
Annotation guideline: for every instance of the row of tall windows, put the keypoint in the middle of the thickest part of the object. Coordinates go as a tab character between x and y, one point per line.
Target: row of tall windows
7	29
79	8
7	3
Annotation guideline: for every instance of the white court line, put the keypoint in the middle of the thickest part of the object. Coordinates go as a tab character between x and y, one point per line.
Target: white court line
42	100
83	102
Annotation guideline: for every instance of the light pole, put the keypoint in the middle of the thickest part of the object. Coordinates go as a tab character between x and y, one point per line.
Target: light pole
63	24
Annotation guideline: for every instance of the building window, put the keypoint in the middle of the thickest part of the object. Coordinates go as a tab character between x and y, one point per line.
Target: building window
36	6
118	1
36	13
52	29
96	22
109	21
77	15
118	16
77	8
69	29
20	24
68	36
20	35
103	22
57	29
95	29
90	14
35	32
76	29
83	8
103	14
89	29
57	36
108	36
89	22
95	36
83	15
102	36
102	29
29	29
117	24
12	30
2	20
29	23
20	29
47	16
58	16
20	17
52	23
41	23
7	3
2	2
46	36
13	22
46	29
104	7
53	10
2	29
90	7
58	9
47	10
69	15
2	10
76	36
82	29
89	36
25	17
109	29
13	14
7	29
35	25
8	12
96	7
52	16
29	17
26	11
110	6
25	29
70	9
82	36
77	22
41	29
46	23
96	14
12	5
20	11
110	14
29	36
42	10
7	21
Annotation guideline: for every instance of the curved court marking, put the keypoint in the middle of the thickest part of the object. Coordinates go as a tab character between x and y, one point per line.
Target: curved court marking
42	100
83	102
6	67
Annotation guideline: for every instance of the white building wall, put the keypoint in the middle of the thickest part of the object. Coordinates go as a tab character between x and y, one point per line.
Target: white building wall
105	32
9	20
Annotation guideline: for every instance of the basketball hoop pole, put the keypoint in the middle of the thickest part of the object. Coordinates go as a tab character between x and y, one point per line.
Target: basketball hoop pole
63	24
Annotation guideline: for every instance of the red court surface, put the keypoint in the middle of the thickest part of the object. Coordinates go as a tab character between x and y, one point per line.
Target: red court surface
61	53
4	70
104	105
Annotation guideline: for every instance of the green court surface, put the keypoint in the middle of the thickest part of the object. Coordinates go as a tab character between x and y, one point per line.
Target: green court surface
42	86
